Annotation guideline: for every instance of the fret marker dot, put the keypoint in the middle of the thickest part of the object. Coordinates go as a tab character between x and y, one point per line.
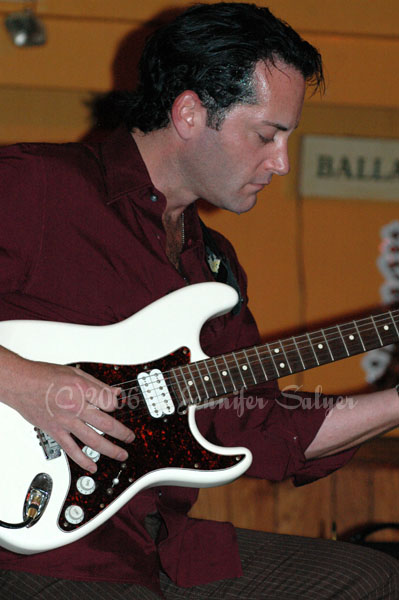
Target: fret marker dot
276	350
320	346
190	382
386	327
351	337
244	367
224	373
282	365
206	378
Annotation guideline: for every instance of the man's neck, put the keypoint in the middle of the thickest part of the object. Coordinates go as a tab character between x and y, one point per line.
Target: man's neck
159	157
160	154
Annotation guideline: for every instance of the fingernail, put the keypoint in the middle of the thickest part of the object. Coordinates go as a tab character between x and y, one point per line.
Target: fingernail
122	455
130	437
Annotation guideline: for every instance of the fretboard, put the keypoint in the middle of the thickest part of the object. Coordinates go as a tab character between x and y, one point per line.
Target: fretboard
196	382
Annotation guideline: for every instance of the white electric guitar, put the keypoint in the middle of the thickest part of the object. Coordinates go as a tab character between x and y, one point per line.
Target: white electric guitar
156	358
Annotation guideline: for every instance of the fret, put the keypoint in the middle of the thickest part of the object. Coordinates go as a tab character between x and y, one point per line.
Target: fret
353	341
376	328
192	381
394	323
227	372
313	350
369	334
204	380
306	353
285	356
299	354
285	349
219	375
320	348
268	364
328	347
237	369
281	367
180	395
343	341
247	368
204	363
360	337
261	364
386	333
295	351
188	385
272	363
336	345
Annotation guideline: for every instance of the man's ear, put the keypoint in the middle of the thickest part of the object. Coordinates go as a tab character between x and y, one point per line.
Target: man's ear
188	115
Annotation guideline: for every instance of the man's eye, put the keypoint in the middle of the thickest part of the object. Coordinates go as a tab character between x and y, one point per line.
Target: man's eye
265	140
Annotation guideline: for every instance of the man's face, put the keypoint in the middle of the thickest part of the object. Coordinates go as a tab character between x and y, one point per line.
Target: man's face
230	166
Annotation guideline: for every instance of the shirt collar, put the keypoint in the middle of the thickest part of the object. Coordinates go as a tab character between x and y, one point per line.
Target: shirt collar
125	172
123	167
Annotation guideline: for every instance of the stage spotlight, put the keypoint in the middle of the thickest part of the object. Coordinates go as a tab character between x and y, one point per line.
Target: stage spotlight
25	29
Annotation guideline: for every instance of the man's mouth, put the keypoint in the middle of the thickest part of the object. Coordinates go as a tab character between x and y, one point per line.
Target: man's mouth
260	186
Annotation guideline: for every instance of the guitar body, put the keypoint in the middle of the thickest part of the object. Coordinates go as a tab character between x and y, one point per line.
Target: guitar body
167	451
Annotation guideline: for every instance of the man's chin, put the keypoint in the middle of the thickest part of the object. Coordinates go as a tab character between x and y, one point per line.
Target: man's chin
242	206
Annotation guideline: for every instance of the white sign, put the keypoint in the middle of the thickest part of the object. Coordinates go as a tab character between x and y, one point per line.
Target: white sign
350	167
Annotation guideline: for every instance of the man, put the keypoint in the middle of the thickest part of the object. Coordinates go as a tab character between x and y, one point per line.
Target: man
221	90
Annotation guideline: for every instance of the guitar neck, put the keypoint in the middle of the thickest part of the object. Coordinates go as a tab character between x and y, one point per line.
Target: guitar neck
196	383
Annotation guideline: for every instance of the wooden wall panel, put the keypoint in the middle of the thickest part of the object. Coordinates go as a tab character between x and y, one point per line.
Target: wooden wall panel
306	510
386	505
80	51
354	496
362	493
75	57
357	16
40	115
248	503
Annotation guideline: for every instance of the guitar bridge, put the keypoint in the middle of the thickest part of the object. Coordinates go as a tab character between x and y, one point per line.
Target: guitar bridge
50	447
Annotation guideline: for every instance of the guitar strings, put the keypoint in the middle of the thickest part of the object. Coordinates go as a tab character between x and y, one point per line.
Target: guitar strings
264	351
261	353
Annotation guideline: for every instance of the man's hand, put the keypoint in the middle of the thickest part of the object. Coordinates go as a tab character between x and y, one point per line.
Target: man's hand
62	401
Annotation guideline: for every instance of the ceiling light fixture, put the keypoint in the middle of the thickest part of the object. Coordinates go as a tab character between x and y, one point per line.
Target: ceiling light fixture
26	29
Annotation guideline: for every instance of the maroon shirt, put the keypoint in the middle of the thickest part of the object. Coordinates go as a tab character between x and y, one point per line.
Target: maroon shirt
81	240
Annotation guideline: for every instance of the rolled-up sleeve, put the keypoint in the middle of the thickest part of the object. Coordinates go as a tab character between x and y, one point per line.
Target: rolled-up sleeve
277	429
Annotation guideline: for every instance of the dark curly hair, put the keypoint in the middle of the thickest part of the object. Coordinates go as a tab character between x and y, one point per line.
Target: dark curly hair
212	49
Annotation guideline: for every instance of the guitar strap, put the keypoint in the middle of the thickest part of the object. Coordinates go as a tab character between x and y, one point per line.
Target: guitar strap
219	265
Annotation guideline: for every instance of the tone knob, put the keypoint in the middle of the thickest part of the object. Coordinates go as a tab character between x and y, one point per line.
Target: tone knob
74	514
93	454
86	485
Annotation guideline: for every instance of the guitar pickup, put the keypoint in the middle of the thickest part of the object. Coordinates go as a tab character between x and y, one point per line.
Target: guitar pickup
156	394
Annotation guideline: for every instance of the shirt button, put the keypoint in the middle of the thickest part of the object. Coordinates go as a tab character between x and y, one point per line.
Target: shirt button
159	493
153	197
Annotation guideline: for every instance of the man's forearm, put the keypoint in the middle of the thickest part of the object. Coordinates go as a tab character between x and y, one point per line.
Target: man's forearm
351	423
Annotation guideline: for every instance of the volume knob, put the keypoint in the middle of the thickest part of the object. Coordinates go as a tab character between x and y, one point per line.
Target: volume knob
93	454
74	514
86	485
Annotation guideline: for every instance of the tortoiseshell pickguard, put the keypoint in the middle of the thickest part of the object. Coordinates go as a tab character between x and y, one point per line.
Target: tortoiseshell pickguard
159	443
